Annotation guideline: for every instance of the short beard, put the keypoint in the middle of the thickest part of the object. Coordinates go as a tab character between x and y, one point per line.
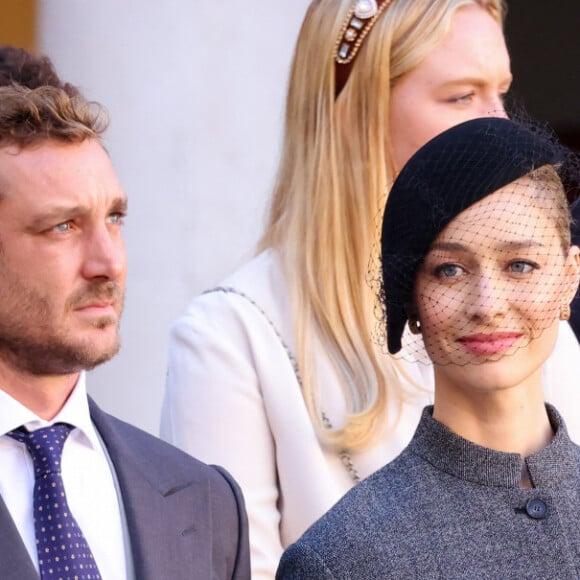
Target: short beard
45	354
55	359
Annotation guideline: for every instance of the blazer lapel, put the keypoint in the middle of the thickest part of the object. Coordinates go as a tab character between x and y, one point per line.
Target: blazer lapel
167	511
15	563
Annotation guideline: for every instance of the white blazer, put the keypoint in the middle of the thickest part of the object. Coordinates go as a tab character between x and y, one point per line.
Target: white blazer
232	398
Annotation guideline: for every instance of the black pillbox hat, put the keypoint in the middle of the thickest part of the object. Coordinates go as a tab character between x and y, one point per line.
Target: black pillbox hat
447	175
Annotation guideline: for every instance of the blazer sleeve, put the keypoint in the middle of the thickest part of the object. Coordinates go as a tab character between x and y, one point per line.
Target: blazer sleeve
300	562
241	569
213	410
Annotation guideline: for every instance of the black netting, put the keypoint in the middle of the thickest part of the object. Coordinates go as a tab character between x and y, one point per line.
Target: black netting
475	244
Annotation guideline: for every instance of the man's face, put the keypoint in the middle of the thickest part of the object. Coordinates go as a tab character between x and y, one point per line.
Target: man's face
62	257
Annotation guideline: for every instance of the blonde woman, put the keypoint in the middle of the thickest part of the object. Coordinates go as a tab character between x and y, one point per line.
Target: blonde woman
277	373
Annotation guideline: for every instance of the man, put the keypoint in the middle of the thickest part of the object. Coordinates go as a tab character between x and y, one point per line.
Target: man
134	506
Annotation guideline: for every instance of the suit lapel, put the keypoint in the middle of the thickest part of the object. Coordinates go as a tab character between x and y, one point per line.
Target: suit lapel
167	510
15	563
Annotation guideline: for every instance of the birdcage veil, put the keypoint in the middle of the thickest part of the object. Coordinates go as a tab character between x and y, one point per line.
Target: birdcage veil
475	244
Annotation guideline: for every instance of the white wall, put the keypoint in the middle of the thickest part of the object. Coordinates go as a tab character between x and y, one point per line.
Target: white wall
195	91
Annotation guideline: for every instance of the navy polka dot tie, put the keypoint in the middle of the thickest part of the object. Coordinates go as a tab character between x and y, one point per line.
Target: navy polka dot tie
63	552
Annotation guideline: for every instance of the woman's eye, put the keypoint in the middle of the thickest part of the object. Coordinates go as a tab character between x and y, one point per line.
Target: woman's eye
463	99
522	267
448	271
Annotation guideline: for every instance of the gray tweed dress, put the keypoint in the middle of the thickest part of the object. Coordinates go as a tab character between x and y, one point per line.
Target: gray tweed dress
447	508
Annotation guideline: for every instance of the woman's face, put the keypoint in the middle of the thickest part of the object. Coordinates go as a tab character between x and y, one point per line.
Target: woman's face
465	77
489	292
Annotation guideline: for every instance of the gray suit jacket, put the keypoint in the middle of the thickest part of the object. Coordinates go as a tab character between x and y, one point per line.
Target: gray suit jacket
186	520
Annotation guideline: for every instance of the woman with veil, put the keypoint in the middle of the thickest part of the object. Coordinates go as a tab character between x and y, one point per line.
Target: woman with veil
477	260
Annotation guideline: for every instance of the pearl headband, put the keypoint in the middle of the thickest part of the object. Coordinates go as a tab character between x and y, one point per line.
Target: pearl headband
357	24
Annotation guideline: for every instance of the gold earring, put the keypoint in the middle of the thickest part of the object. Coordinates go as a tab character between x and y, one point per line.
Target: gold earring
565	312
414	325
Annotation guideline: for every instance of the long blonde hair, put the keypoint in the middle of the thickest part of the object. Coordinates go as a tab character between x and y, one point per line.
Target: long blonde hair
333	174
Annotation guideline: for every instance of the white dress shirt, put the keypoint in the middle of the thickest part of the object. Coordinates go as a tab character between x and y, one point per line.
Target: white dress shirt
89	481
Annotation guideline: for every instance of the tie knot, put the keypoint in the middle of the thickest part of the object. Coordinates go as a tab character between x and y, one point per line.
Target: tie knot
44	445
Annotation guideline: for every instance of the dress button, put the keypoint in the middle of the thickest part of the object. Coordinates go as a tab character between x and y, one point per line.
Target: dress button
537	509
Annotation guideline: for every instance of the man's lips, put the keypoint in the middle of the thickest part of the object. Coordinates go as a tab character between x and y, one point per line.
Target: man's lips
97	299
489	343
95	305
99	308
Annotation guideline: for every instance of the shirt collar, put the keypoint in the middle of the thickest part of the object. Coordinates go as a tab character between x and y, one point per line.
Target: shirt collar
75	411
461	458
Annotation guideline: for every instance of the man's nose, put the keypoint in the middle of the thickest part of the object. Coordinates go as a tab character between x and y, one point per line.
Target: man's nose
105	255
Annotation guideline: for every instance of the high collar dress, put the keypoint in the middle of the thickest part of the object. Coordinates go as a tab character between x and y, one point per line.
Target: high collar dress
448	508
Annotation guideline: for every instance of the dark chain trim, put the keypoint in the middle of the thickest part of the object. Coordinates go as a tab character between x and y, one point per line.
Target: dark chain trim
344	454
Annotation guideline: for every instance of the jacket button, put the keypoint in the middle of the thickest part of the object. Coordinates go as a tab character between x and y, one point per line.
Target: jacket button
537	509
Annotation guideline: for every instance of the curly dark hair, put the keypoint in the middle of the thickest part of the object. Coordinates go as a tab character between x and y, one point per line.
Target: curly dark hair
19	66
29	116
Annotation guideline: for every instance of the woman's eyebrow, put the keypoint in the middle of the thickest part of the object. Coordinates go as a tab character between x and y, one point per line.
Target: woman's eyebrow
510	245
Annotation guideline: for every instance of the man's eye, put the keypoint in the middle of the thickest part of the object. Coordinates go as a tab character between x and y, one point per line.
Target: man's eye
63	227
117	217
